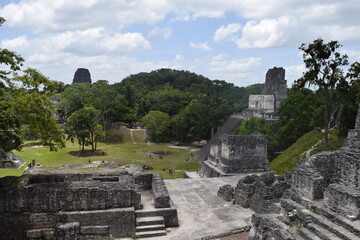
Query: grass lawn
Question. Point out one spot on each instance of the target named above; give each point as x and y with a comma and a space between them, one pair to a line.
121, 153
292, 156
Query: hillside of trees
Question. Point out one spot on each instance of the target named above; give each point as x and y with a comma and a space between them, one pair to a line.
173, 105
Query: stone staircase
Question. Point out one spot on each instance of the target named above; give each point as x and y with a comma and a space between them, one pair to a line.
315, 222
153, 226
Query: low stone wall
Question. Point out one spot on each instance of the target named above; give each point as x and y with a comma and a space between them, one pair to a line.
54, 197
143, 180
162, 197
118, 222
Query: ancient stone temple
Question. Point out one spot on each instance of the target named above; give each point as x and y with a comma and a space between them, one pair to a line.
82, 75
76, 204
324, 199
263, 105
236, 154
275, 85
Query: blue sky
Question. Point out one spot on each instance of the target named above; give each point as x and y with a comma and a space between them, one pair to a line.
236, 41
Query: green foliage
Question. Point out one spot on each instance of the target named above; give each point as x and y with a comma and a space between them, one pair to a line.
324, 70
121, 153
292, 156
83, 125
253, 125
299, 113
25, 105
158, 125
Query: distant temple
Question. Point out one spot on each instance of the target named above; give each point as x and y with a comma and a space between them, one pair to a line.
262, 105
82, 75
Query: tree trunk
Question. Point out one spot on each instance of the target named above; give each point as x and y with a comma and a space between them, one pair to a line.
326, 128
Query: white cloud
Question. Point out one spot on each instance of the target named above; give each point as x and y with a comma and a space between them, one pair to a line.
42, 16
241, 72
202, 46
20, 42
293, 73
267, 33
94, 41
223, 32
157, 32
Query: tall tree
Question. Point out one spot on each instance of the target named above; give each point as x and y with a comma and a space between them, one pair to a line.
324, 70
83, 124
157, 124
24, 101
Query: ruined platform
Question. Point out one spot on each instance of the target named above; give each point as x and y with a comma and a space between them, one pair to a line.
323, 201
76, 203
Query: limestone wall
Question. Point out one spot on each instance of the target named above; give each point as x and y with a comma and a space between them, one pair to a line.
275, 84
260, 192
264, 103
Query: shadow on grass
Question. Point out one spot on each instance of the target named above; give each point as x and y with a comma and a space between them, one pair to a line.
87, 153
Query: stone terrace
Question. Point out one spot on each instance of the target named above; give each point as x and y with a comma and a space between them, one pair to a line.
201, 212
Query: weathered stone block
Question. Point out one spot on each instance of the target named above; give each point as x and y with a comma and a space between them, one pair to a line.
226, 192
162, 198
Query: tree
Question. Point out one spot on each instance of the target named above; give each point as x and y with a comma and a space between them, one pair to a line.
252, 125
84, 125
354, 76
158, 125
24, 102
324, 70
298, 114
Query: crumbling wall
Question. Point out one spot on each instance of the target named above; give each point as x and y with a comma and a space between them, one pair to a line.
236, 154
260, 192
275, 84
68, 206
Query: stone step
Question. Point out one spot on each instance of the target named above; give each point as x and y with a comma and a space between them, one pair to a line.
146, 221
298, 237
307, 234
147, 228
322, 232
332, 227
339, 227
150, 234
351, 226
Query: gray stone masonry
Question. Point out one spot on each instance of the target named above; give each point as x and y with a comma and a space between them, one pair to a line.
82, 75
259, 192
265, 105
323, 201
162, 197
74, 204
275, 84
226, 192
236, 154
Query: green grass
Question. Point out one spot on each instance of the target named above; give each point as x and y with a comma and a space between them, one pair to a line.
291, 157
120, 153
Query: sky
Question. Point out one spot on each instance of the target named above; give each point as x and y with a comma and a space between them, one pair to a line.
232, 40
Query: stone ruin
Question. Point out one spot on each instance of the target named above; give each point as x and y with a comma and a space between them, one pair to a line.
75, 204
264, 105
10, 160
236, 154
82, 75
323, 201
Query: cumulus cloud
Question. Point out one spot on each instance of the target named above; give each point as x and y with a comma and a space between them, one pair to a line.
294, 72
267, 33
223, 32
94, 41
241, 71
157, 32
41, 16
202, 46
